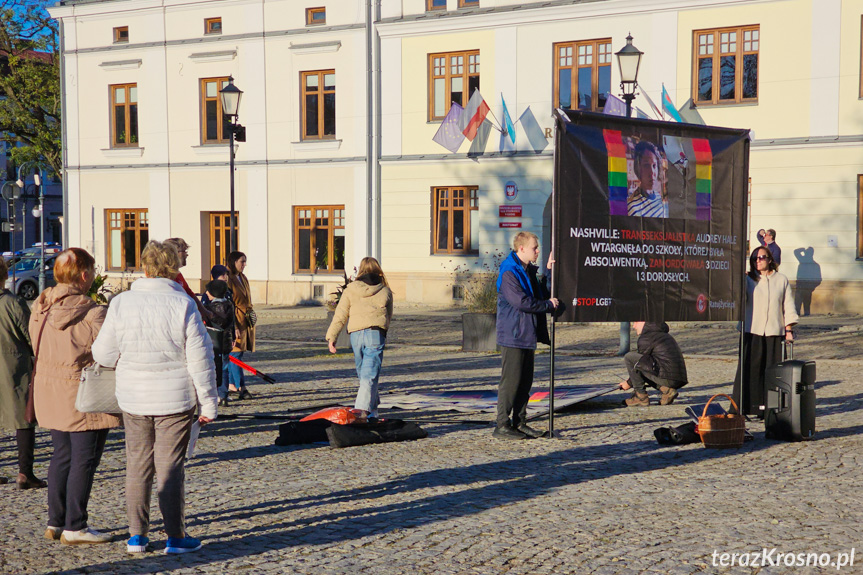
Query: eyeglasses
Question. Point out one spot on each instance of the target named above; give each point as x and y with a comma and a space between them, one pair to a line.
763, 257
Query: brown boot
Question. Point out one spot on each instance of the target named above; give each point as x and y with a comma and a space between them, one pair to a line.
669, 394
638, 399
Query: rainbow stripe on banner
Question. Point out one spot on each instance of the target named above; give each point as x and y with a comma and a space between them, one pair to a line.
703, 178
618, 182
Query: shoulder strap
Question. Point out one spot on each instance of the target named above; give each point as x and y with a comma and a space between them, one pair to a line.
39, 338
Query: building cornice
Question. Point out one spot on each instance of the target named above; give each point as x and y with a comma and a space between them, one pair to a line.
463, 20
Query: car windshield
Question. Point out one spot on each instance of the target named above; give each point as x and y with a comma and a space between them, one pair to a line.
27, 264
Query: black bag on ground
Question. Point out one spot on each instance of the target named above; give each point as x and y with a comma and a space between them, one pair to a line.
374, 432
789, 387
303, 432
680, 435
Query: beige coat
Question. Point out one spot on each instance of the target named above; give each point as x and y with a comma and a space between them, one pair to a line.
242, 303
769, 305
73, 321
362, 306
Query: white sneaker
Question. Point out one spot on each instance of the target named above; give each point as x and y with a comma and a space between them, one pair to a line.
53, 533
84, 537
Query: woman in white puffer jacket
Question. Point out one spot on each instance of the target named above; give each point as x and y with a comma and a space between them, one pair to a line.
154, 335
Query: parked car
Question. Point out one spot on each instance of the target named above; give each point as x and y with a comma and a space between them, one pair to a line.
26, 276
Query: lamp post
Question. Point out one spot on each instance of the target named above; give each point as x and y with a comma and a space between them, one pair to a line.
230, 97
628, 61
37, 212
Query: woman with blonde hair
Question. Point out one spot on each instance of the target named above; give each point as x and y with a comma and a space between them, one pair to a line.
153, 333
63, 327
366, 306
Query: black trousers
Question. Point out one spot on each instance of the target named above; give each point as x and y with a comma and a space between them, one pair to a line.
26, 439
70, 476
640, 377
516, 380
759, 353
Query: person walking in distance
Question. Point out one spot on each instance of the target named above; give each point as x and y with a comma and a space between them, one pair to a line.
767, 238
366, 306
522, 303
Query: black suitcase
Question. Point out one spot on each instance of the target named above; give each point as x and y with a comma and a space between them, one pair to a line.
789, 390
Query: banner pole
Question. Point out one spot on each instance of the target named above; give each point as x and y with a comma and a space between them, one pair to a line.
745, 227
554, 196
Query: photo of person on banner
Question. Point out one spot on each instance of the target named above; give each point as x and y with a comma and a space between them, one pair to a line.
648, 199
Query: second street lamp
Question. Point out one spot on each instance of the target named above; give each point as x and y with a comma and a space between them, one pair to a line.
230, 97
629, 60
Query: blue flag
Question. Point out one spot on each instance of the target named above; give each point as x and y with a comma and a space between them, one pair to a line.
507, 121
534, 133
449, 135
668, 106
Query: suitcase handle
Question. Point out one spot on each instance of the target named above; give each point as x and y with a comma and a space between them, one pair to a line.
787, 350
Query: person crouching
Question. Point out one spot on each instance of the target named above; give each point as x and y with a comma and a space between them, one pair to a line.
658, 363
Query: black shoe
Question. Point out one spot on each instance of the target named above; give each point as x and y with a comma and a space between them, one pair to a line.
244, 394
508, 432
529, 431
224, 402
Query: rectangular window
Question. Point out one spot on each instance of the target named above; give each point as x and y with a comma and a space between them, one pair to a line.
468, 3
124, 115
128, 233
456, 215
860, 217
319, 239
212, 26
214, 128
121, 35
318, 101
582, 74
453, 77
725, 65
316, 16
435, 5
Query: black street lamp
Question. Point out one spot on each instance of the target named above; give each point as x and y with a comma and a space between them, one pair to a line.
230, 97
629, 60
37, 181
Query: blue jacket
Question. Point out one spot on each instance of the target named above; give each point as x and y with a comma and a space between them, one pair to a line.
521, 306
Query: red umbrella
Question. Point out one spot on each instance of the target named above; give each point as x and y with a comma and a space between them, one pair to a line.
252, 370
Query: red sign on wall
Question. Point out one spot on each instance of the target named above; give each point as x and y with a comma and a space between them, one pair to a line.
509, 211
510, 224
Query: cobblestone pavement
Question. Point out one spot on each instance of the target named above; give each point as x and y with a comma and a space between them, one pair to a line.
603, 498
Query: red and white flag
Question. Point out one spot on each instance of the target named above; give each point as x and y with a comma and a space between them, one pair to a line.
474, 115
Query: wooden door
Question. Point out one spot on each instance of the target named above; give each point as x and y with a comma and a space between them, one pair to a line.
220, 226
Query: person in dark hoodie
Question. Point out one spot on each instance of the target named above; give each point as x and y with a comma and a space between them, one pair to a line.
366, 305
220, 328
521, 307
658, 363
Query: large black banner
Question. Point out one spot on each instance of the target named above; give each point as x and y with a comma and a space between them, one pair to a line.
649, 219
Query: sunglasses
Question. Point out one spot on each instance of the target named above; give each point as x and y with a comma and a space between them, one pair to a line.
763, 257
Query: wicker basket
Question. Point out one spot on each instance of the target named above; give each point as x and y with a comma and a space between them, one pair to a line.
721, 431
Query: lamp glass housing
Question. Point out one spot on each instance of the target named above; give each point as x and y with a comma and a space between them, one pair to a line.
230, 96
629, 60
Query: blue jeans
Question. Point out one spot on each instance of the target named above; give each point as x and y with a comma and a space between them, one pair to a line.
368, 347
233, 372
